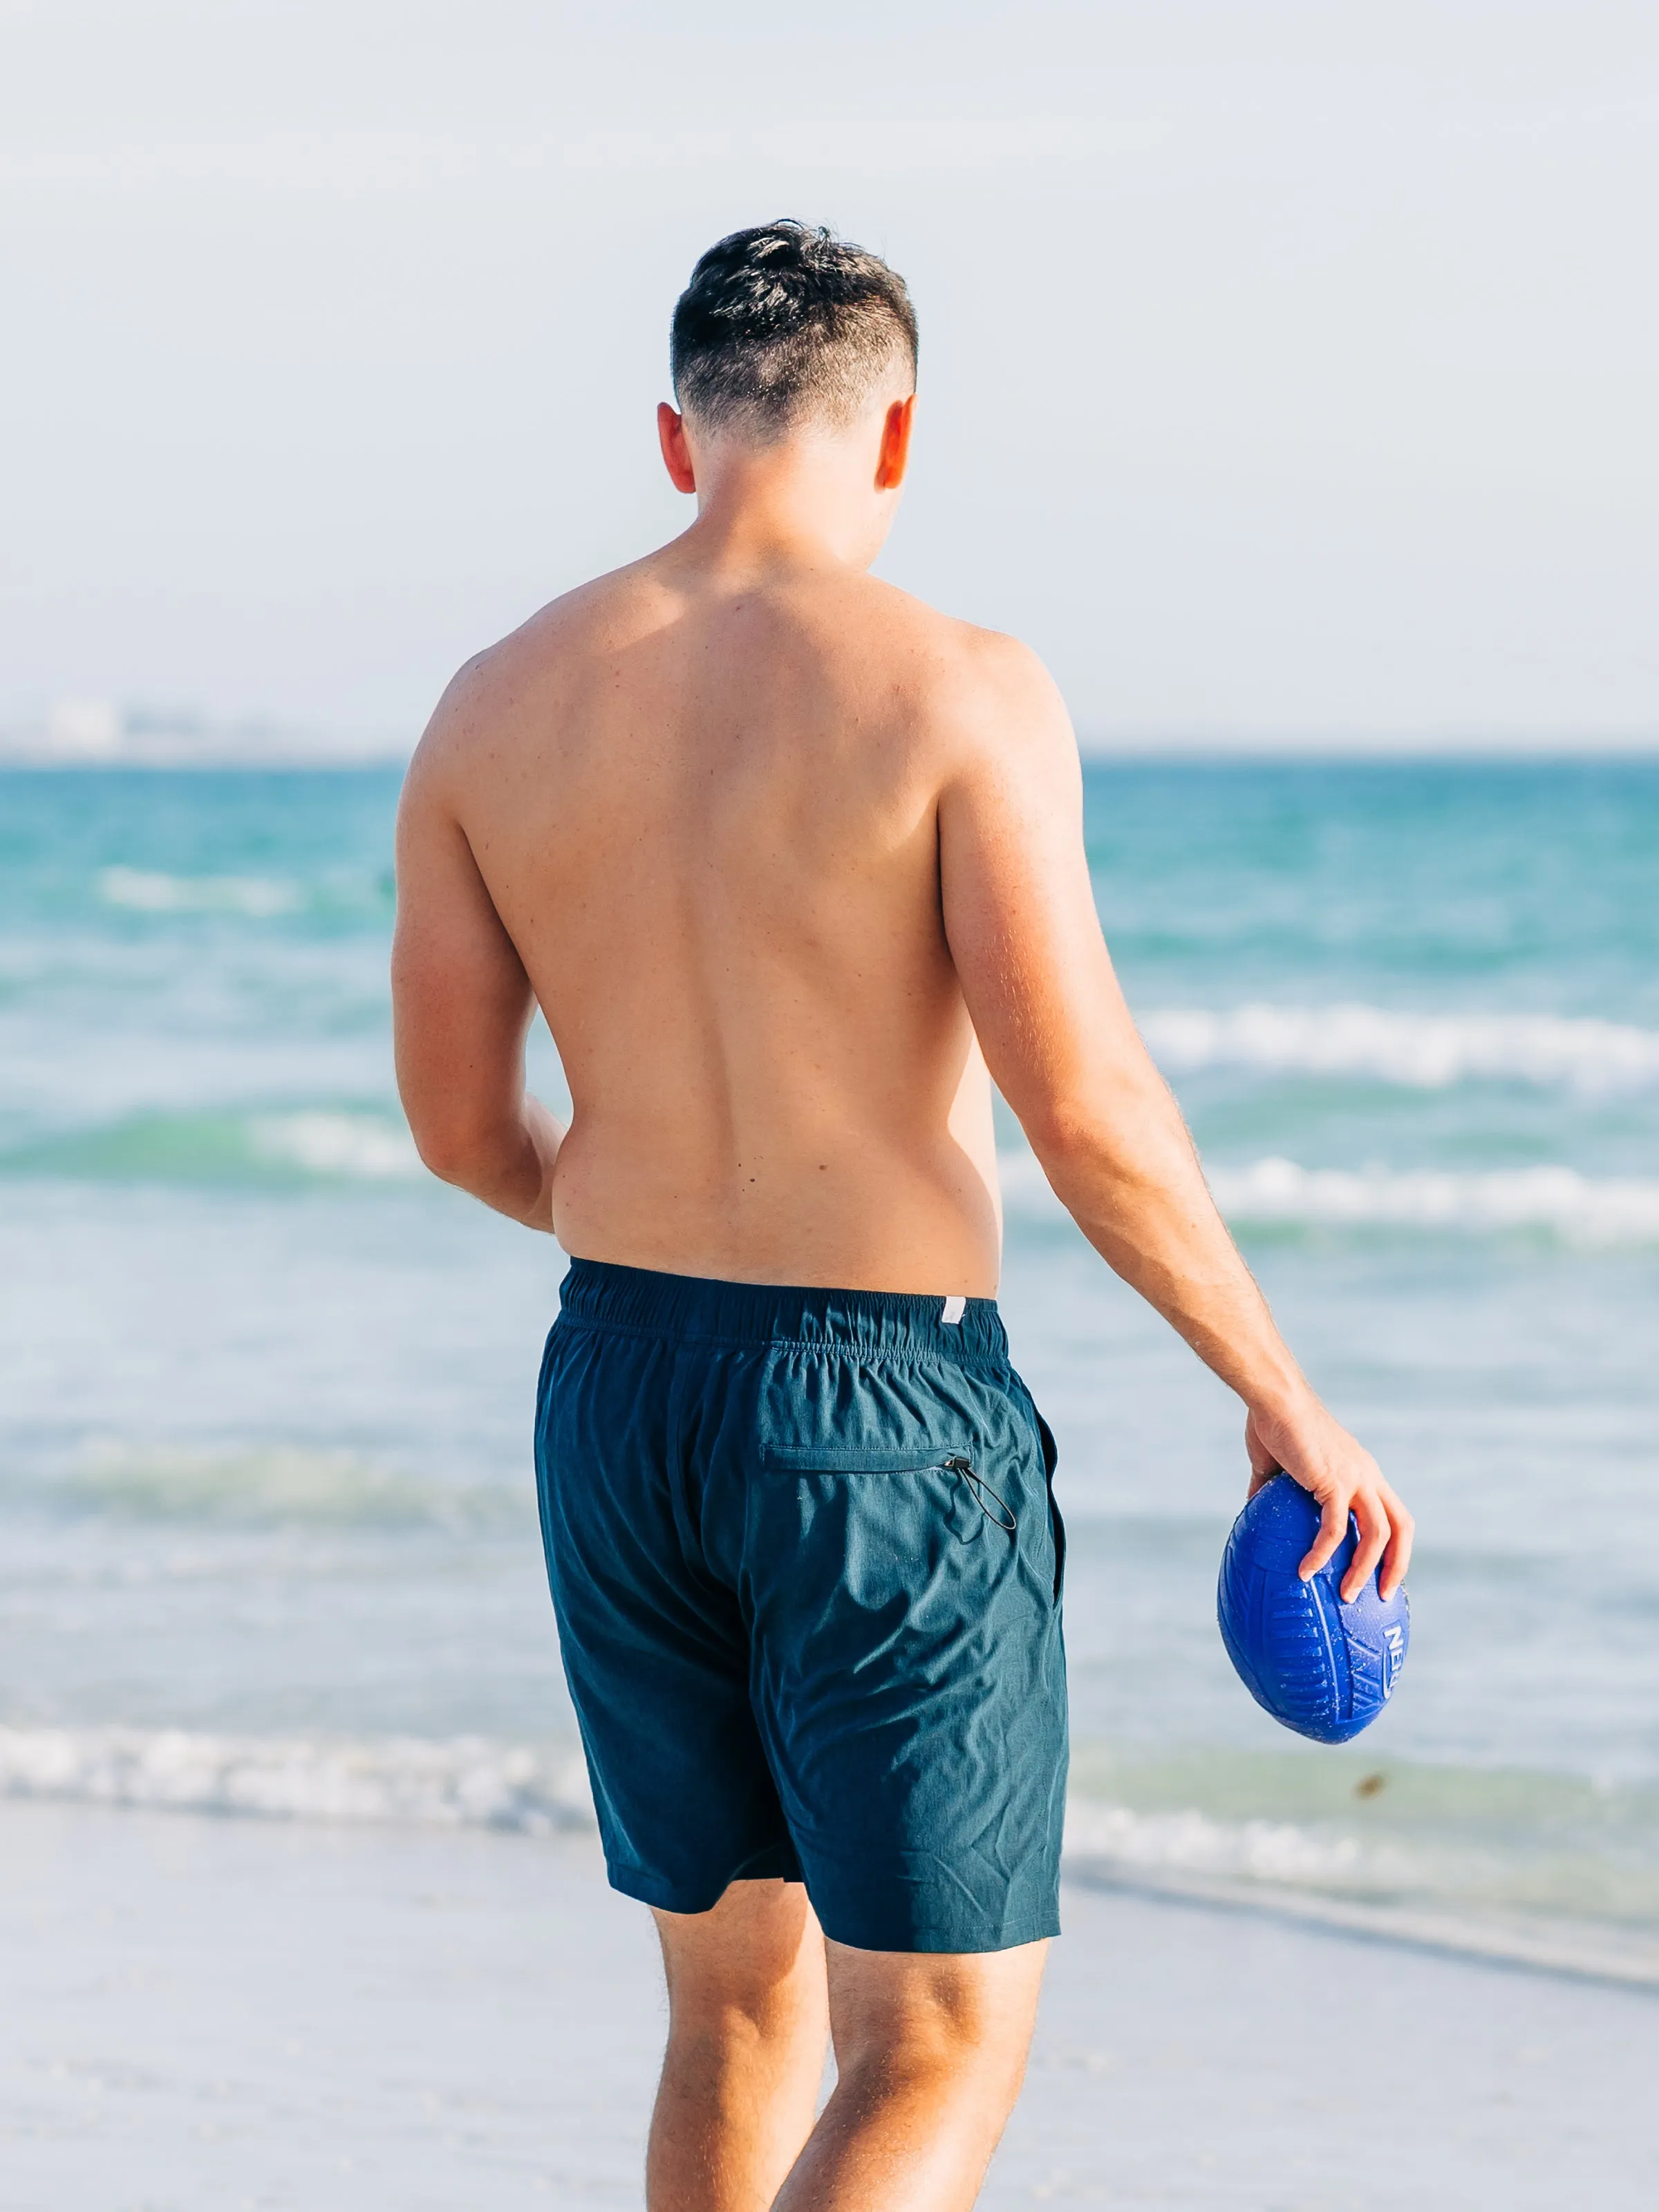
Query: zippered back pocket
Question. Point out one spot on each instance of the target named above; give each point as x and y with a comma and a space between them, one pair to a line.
828, 1459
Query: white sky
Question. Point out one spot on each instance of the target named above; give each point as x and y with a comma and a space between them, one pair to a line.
1288, 372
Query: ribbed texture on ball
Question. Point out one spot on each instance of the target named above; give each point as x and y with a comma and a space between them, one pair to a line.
1324, 1669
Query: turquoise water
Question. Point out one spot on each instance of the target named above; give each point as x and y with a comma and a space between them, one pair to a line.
267, 1537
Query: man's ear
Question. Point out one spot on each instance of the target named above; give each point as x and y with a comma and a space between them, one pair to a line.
676, 453
895, 444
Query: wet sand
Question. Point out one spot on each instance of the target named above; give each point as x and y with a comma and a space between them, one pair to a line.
227, 2013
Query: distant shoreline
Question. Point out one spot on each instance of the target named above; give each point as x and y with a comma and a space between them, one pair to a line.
1171, 756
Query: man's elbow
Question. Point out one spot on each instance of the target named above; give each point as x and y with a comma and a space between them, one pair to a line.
455, 1151
1061, 1127
1114, 1125
443, 1153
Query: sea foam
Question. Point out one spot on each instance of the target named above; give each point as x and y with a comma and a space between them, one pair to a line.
1555, 1202
1449, 1891
1419, 1050
347, 1145
147, 892
273, 1485
458, 1782
1334, 1882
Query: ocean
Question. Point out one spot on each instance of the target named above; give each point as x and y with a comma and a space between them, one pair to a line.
268, 1537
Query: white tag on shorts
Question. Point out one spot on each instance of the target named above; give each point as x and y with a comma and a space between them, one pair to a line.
954, 1309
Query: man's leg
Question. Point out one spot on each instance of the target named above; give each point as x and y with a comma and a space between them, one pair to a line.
748, 2028
931, 2052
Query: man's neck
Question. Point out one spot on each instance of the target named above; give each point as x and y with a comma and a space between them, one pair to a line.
804, 504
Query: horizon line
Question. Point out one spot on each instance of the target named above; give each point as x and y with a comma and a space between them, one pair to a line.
1194, 752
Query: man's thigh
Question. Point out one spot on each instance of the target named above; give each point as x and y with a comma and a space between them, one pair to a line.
762, 1937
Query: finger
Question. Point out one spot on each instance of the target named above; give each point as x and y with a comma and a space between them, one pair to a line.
1398, 1555
1333, 1527
1374, 1534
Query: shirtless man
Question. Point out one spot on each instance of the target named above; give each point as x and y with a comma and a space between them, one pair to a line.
793, 865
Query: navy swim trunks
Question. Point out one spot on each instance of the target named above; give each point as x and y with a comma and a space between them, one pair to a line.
806, 1564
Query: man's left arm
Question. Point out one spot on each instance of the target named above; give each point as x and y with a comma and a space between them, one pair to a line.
1062, 1048
461, 1006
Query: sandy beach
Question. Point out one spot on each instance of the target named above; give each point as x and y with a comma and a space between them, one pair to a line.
211, 2012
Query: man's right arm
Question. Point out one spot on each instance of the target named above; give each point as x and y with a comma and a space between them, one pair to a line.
1064, 1051
461, 1001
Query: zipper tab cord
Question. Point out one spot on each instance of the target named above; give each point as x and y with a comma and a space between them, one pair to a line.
1003, 1518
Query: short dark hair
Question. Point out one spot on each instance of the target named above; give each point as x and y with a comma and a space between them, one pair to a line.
783, 322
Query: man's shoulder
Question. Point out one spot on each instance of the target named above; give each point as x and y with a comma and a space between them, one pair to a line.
967, 687
580, 625
511, 682
946, 667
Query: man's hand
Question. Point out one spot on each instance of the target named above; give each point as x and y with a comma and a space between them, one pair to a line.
1340, 1474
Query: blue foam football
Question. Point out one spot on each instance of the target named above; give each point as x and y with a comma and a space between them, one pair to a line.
1325, 1669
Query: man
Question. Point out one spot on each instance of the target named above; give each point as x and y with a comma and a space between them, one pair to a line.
794, 867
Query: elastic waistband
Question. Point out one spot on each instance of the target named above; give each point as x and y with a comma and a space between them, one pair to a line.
597, 1295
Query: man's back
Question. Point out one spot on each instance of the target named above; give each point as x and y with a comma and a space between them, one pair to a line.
705, 804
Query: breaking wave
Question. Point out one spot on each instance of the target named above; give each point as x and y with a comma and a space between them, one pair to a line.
281, 1487
352, 1145
348, 1145
456, 1782
311, 1145
1421, 1051
1333, 1882
1545, 1870
1558, 1202
147, 891
1450, 1881
1554, 1202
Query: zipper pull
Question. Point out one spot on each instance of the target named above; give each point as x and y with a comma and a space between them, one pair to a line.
964, 1470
